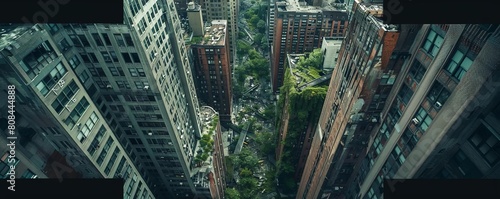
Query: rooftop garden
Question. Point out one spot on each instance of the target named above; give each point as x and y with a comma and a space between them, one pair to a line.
207, 142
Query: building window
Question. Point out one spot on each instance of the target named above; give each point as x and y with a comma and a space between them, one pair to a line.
87, 127
106, 39
417, 71
135, 57
438, 95
65, 96
97, 140
97, 39
423, 119
128, 192
119, 39
432, 43
487, 144
84, 76
74, 62
37, 59
133, 72
119, 168
77, 112
105, 150
405, 94
128, 40
459, 65
126, 58
49, 81
84, 40
112, 161
106, 56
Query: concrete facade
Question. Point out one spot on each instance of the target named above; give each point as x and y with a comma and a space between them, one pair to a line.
330, 49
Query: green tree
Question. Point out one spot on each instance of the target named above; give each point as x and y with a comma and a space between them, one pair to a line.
261, 25
265, 140
245, 173
232, 193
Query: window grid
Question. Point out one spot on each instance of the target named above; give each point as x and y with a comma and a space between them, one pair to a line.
87, 127
459, 65
76, 113
65, 96
97, 140
105, 150
433, 43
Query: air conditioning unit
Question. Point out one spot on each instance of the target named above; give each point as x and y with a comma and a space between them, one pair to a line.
438, 104
73, 100
415, 121
130, 126
150, 133
146, 87
108, 86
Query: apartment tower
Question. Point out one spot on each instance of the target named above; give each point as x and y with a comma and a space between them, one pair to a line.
441, 117
139, 77
212, 69
360, 83
300, 28
60, 131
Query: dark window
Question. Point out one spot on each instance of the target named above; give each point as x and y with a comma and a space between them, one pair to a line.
112, 161
84, 40
126, 57
119, 39
53, 28
135, 57
438, 95
106, 39
105, 150
106, 56
487, 144
97, 140
97, 39
417, 71
128, 40
405, 94
74, 62
93, 58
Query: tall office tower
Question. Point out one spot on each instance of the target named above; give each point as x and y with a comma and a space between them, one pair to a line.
441, 118
59, 131
138, 74
300, 28
211, 144
330, 49
224, 10
213, 72
300, 100
360, 83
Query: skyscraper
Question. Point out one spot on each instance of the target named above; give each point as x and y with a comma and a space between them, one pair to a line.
137, 80
300, 28
440, 118
360, 83
212, 69
59, 132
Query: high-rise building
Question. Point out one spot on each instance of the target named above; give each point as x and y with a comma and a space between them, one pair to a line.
359, 86
223, 10
212, 69
440, 119
58, 130
300, 28
300, 103
270, 22
136, 78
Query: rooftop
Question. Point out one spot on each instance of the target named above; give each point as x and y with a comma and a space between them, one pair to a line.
302, 74
210, 120
193, 7
215, 34
301, 6
375, 11
333, 41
